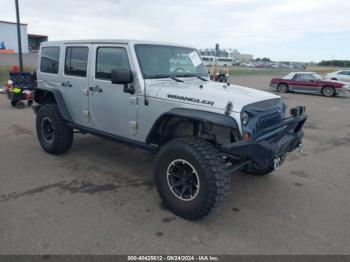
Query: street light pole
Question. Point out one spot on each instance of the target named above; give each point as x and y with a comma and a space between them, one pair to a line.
19, 38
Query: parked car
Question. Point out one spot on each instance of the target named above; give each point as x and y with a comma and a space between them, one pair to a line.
309, 82
342, 75
135, 92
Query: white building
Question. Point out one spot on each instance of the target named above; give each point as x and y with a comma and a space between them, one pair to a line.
224, 56
237, 56
220, 61
8, 36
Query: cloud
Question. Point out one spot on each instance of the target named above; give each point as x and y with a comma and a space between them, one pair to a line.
232, 23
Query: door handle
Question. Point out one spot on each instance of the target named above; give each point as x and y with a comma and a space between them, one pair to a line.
95, 89
66, 84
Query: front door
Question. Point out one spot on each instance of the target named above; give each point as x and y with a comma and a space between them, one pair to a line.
305, 83
111, 109
75, 81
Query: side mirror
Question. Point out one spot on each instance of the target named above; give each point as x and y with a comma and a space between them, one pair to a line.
121, 76
124, 77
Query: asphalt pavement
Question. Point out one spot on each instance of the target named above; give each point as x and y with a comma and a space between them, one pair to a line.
99, 198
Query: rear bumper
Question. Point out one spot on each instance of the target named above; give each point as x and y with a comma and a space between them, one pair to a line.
270, 147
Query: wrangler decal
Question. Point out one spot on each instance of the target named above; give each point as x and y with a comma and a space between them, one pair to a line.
191, 99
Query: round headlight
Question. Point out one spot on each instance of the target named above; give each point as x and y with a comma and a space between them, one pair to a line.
245, 118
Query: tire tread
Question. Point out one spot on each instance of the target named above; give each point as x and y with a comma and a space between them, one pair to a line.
63, 132
208, 157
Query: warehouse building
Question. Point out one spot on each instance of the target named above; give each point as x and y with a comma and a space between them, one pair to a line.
9, 41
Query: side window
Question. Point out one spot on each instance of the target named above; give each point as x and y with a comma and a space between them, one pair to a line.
109, 58
307, 77
76, 61
296, 77
49, 59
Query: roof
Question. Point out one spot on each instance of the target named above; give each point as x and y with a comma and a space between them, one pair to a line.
37, 36
13, 23
113, 41
291, 74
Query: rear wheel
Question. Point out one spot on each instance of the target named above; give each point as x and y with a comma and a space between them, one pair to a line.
283, 88
190, 177
20, 105
328, 91
54, 135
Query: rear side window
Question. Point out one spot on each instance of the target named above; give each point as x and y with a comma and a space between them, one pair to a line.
108, 59
76, 61
49, 59
306, 77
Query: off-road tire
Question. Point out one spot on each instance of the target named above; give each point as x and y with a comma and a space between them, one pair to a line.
209, 165
328, 91
283, 88
62, 133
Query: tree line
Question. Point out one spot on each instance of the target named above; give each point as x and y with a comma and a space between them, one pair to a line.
340, 63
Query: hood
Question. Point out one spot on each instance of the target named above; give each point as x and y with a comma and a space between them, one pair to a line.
209, 94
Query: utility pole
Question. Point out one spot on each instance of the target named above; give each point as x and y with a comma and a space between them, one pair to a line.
19, 38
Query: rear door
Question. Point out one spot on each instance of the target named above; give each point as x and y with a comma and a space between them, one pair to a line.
75, 81
111, 109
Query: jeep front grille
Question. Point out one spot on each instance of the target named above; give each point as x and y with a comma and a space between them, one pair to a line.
267, 120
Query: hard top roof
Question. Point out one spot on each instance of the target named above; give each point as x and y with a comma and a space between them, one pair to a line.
112, 41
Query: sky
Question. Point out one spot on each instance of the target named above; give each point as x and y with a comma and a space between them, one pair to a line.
293, 30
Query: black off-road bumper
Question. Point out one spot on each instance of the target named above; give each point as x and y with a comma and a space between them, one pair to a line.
269, 148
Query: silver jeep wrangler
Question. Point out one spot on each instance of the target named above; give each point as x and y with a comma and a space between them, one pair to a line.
159, 97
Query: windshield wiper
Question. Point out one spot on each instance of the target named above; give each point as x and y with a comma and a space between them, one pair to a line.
165, 76
192, 75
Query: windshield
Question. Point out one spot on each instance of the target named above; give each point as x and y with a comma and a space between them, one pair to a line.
317, 76
157, 61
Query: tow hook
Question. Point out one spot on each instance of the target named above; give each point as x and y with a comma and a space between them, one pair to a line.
276, 163
301, 147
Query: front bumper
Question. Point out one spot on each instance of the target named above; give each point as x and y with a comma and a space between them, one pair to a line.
342, 91
272, 145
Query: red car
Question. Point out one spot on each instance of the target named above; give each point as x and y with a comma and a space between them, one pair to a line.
309, 82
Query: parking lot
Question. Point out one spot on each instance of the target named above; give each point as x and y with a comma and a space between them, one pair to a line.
99, 198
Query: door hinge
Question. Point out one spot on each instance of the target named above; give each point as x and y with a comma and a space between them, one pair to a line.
86, 92
86, 114
133, 100
133, 128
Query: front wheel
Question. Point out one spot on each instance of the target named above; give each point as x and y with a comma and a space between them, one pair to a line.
190, 176
53, 133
